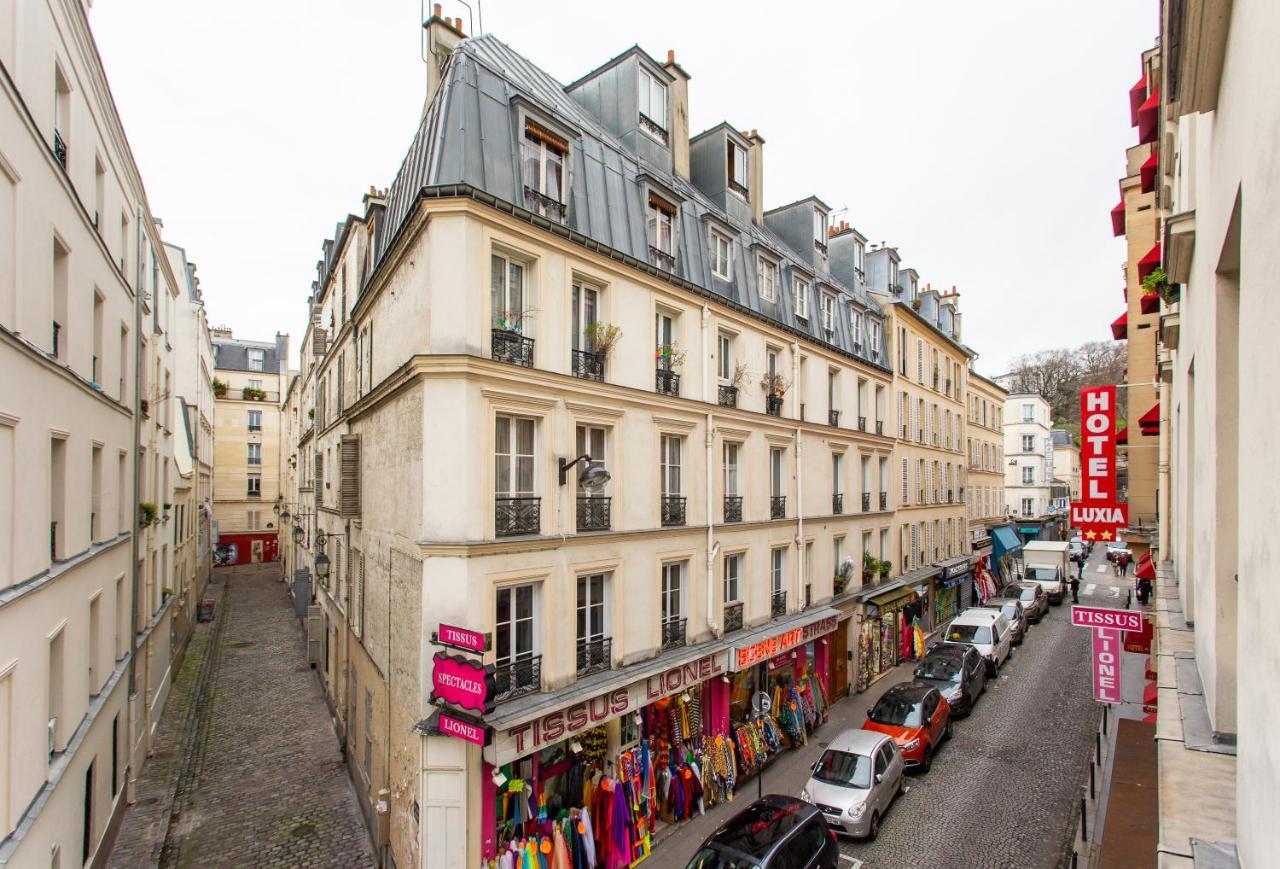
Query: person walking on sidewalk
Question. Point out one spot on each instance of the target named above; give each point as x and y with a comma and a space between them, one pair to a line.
1123, 558
1075, 589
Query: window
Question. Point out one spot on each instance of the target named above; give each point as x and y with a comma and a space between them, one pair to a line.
837, 472
542, 153
724, 358
730, 469
662, 218
855, 324
255, 384
653, 104
919, 360
737, 164
732, 578
368, 732
721, 263
1028, 412
837, 552
591, 608
590, 441
833, 391
256, 359
255, 420
1028, 476
776, 482
586, 311
672, 591
777, 558
1026, 507
906, 484
820, 228
801, 290
767, 279
253, 486
669, 464
514, 622
1028, 443
506, 294
664, 328
828, 312
252, 519
95, 367
513, 456
255, 454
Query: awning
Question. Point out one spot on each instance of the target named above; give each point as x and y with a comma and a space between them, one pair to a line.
1148, 117
1117, 219
1150, 262
1030, 530
1137, 94
1150, 303
1004, 536
1120, 327
1122, 437
1146, 570
1150, 420
1147, 172
888, 599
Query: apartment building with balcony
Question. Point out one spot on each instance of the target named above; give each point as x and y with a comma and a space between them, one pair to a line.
248, 379
569, 372
984, 439
1066, 469
1028, 455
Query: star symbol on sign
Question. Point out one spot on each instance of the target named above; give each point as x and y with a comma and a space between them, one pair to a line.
1106, 535
1092, 535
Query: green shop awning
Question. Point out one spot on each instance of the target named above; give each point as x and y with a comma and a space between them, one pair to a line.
1029, 530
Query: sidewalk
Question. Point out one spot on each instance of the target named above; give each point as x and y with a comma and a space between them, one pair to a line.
675, 844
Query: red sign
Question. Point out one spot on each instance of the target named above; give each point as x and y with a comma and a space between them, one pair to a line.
1139, 641
463, 638
745, 656
450, 726
1098, 617
462, 682
1106, 665
1098, 514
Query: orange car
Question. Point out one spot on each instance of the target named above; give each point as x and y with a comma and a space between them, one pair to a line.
917, 717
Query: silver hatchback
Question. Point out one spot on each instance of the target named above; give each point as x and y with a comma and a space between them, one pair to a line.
855, 781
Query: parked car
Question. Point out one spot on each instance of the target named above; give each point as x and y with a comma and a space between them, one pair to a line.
855, 781
957, 671
1034, 603
1012, 609
1079, 550
918, 718
1115, 547
774, 831
987, 631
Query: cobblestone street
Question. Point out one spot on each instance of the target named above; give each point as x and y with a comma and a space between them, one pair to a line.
246, 770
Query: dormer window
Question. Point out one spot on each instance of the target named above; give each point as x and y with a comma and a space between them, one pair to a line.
653, 106
858, 261
767, 279
543, 153
800, 287
855, 325
828, 313
820, 230
737, 164
662, 221
721, 248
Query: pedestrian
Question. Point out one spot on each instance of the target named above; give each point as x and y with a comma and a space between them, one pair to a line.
1124, 564
1080, 568
1075, 589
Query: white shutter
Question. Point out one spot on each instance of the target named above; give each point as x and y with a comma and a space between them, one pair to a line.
349, 452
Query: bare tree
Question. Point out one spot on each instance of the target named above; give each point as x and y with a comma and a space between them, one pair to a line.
1058, 375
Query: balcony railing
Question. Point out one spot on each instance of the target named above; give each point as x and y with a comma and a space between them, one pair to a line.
837, 503
862, 423
673, 509
879, 426
833, 417
517, 514
59, 149
884, 500
662, 259
866, 502
728, 396
57, 333
778, 605
540, 203
508, 346
773, 405
594, 512
53, 541
778, 507
595, 655
733, 508
673, 633
653, 127
732, 617
588, 365
667, 382
518, 677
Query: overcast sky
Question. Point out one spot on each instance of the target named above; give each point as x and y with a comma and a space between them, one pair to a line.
983, 139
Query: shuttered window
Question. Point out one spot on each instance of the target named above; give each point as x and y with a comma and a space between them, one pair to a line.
319, 474
349, 451
356, 607
906, 485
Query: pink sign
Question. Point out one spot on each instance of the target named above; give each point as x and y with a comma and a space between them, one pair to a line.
451, 726
463, 638
1098, 617
1106, 665
462, 682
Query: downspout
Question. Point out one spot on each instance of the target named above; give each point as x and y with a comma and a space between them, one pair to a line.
1162, 477
795, 381
137, 500
709, 446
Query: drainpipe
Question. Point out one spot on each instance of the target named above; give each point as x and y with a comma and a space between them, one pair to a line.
709, 447
1162, 478
795, 382
137, 500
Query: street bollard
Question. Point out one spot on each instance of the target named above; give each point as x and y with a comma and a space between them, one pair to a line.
1092, 784
1084, 825
1097, 747
1104, 719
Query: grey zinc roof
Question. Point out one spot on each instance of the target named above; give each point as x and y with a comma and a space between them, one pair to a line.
1061, 437
469, 137
234, 355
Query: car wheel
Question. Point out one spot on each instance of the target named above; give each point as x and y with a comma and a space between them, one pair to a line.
926, 762
874, 829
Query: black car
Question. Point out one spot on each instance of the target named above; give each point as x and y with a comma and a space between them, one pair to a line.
958, 672
774, 831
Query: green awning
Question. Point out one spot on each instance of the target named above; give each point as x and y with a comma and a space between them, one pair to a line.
1029, 530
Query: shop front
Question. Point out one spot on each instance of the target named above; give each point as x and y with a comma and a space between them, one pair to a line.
886, 636
1006, 549
953, 590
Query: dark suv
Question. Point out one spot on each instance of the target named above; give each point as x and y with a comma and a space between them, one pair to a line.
775, 832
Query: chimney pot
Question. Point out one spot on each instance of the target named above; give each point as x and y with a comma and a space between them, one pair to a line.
435, 10
671, 55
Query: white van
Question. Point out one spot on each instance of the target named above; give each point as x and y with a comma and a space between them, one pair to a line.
1048, 562
987, 630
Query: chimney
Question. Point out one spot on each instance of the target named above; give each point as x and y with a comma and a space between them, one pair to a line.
222, 333
443, 36
679, 131
282, 352
755, 165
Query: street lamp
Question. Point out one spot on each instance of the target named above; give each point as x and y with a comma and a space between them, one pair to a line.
299, 535
594, 476
322, 567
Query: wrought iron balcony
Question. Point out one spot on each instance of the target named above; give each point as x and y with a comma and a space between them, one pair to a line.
517, 515
733, 508
728, 396
884, 500
833, 417
732, 617
518, 677
662, 259
59, 149
837, 503
862, 423
540, 203
778, 507
673, 509
779, 604
652, 126
508, 346
57, 333
594, 512
773, 405
588, 365
595, 655
673, 633
866, 502
667, 382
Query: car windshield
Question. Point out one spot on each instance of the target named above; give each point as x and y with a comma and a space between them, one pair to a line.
1042, 573
1010, 611
940, 668
844, 769
710, 858
980, 634
897, 710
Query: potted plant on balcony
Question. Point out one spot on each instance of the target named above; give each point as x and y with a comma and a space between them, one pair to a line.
774, 385
603, 337
870, 567
219, 388
670, 357
1157, 283
148, 511
512, 320
250, 393
311, 413
739, 375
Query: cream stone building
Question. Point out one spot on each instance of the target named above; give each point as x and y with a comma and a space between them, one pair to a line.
985, 496
248, 377
92, 553
1066, 468
1028, 450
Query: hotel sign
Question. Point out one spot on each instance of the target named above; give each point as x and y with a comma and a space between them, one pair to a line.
1098, 514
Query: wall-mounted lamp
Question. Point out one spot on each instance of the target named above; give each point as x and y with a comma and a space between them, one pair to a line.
593, 478
322, 567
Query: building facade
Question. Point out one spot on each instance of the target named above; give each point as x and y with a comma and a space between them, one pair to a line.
1028, 450
248, 378
1066, 469
985, 497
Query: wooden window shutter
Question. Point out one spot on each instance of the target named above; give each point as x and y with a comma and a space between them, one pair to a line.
319, 473
349, 450
539, 133
319, 341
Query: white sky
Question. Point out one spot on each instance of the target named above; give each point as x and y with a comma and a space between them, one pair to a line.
983, 139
